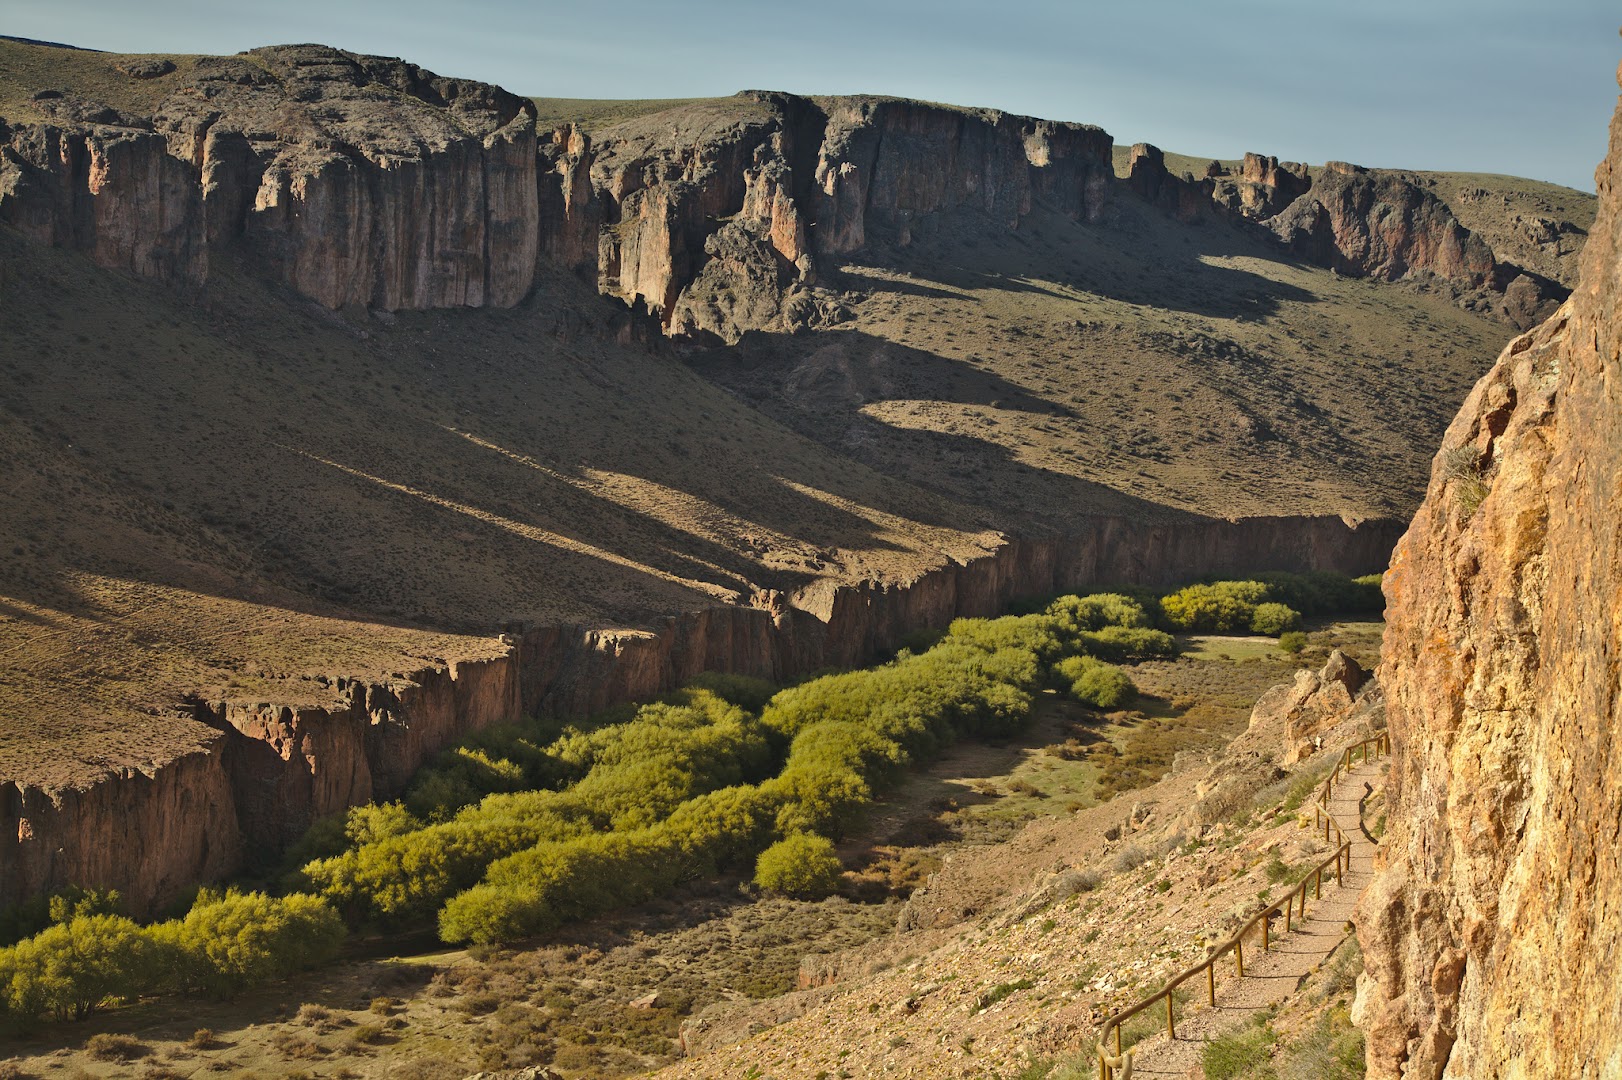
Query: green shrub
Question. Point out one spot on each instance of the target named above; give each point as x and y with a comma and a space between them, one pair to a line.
1095, 612
1119, 644
631, 775
33, 915
744, 691
1321, 593
801, 865
1273, 619
232, 940
1218, 607
1292, 641
68, 969
1095, 683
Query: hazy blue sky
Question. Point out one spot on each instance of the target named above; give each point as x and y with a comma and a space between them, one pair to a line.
1515, 86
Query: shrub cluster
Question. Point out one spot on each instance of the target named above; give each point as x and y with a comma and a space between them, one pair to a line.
1270, 603
522, 828
842, 738
225, 943
626, 777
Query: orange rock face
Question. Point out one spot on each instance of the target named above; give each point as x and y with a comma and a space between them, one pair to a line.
1493, 934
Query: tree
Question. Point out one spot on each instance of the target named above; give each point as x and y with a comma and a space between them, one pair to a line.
1274, 619
69, 969
232, 940
801, 864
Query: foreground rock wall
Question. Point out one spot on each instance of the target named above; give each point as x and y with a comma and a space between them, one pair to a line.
1493, 933
274, 769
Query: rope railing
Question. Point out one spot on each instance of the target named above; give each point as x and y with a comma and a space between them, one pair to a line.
1118, 1065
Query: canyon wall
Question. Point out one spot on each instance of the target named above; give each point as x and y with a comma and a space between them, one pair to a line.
358, 180
274, 769
367, 181
1492, 934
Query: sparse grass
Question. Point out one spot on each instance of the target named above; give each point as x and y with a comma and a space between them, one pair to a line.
107, 1046
594, 114
1244, 1053
1461, 466
997, 993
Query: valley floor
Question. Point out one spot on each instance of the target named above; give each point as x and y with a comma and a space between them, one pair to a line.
997, 907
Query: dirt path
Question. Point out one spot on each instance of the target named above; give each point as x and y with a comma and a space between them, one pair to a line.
1271, 976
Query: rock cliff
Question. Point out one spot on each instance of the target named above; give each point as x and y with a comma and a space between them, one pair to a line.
1379, 225
358, 180
1492, 934
368, 181
274, 769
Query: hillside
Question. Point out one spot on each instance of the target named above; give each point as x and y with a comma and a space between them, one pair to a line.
348, 408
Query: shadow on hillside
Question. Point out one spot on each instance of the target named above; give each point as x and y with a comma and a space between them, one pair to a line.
454, 471
823, 390
1138, 255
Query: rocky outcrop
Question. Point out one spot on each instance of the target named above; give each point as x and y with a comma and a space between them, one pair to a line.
885, 163
716, 227
1265, 185
1491, 934
1380, 225
274, 769
365, 180
1299, 714
358, 180
571, 215
111, 191
1181, 196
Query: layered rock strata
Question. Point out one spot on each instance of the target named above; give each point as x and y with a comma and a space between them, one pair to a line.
1493, 933
363, 180
274, 769
358, 180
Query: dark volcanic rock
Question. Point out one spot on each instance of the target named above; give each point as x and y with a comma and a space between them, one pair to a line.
1379, 225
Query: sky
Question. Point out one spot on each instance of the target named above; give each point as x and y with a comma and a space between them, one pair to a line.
1525, 87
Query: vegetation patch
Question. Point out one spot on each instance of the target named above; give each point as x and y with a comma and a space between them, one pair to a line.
519, 830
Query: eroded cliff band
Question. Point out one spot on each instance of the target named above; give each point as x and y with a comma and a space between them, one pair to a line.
273, 769
368, 181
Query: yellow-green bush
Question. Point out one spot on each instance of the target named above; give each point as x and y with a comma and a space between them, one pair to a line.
68, 969
1274, 619
231, 940
1093, 682
801, 864
1217, 607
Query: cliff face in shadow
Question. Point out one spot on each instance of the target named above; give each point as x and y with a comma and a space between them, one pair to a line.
274, 769
1492, 935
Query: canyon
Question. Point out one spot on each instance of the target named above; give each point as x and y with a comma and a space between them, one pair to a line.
263, 773
368, 181
350, 409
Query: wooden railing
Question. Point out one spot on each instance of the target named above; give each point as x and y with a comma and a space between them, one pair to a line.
1292, 907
